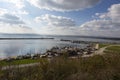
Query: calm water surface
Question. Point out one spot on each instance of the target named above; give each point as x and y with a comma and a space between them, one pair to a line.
21, 47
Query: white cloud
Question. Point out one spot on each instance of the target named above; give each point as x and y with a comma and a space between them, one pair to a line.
18, 3
11, 23
101, 25
108, 23
5, 28
52, 24
57, 21
2, 11
63, 5
113, 13
15, 6
10, 19
19, 12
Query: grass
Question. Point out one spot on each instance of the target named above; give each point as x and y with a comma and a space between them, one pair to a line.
113, 49
18, 62
99, 67
103, 45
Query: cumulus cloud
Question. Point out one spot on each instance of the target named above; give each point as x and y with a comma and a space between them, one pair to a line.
2, 11
57, 21
18, 3
19, 12
10, 19
107, 24
15, 6
11, 23
114, 12
101, 25
5, 28
63, 5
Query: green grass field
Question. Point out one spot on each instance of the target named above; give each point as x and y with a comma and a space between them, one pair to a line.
113, 49
98, 67
103, 45
18, 62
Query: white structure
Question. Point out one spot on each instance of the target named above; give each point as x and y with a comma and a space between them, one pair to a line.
97, 46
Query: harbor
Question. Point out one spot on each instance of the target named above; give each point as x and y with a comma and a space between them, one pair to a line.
67, 51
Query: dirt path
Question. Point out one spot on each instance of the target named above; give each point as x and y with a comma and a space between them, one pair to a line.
99, 52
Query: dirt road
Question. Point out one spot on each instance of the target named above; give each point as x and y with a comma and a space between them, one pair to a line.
99, 51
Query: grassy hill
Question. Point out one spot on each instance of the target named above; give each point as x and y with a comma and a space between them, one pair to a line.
99, 67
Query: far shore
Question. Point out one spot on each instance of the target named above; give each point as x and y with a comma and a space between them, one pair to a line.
22, 38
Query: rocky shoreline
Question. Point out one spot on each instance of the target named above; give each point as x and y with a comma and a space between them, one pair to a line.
68, 51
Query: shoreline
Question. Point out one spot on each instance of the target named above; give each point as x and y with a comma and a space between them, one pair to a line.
23, 38
64, 40
89, 42
56, 51
51, 54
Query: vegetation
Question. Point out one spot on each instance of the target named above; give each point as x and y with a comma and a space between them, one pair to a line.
18, 62
113, 49
99, 67
103, 45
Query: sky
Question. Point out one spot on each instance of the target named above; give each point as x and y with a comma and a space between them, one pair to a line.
61, 17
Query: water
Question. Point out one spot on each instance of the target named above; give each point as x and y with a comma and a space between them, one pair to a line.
22, 47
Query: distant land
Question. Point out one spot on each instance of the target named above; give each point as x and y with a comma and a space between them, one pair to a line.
52, 36
22, 38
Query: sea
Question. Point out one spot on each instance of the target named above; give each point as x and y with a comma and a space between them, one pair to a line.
15, 47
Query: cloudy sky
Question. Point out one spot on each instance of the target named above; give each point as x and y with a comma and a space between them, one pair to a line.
61, 17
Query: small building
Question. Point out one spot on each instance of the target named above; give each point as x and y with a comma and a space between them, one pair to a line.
97, 46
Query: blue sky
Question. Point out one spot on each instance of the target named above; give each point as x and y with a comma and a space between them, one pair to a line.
80, 16
63, 17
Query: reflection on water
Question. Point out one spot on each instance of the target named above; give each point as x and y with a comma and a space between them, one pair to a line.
20, 47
